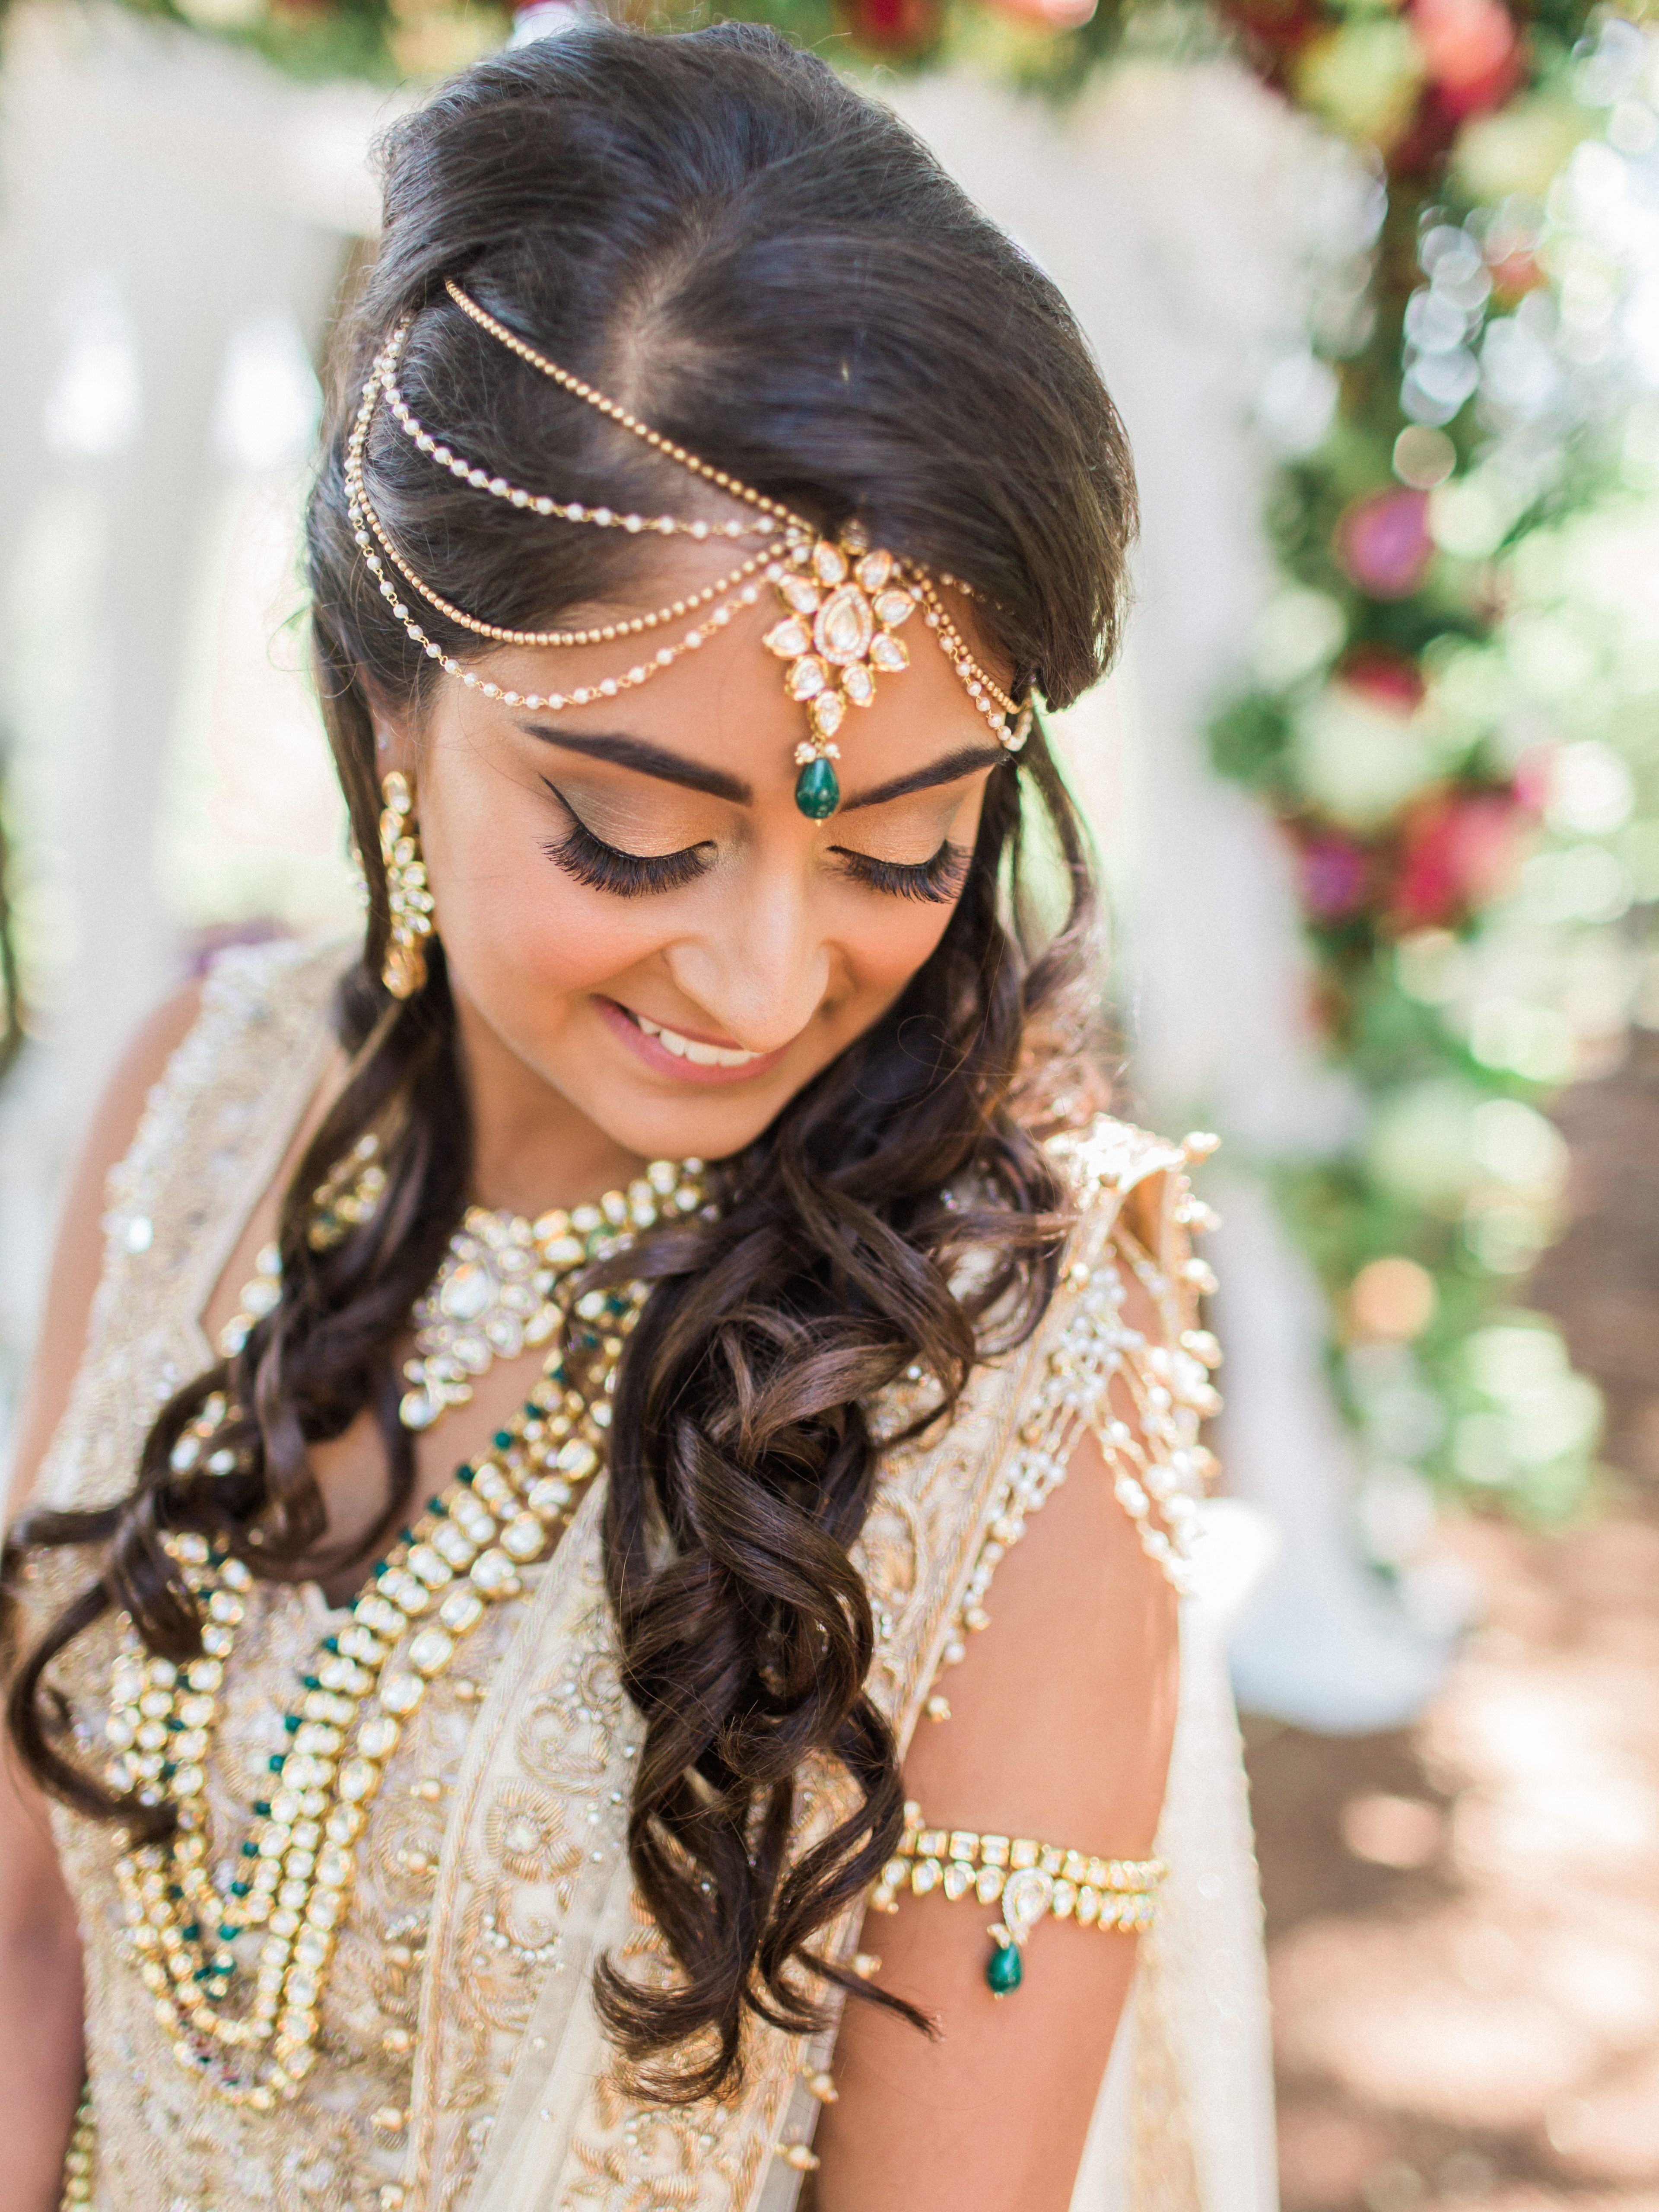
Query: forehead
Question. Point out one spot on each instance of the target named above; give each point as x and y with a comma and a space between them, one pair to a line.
734, 699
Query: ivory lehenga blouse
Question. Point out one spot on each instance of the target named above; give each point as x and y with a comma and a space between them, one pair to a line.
460, 2065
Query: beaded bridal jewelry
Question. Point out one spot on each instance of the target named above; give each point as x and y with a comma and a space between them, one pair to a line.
843, 602
246, 2027
1028, 1879
404, 972
497, 1290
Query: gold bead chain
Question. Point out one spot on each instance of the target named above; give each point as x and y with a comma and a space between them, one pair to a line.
368, 531
1011, 720
498, 487
733, 486
603, 634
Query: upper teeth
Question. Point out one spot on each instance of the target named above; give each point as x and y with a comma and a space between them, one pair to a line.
701, 1055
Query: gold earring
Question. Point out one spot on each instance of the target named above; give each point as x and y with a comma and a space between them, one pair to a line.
404, 972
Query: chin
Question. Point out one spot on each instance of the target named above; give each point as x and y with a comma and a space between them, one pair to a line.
695, 1128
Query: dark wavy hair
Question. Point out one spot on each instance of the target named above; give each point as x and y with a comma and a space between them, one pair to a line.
770, 267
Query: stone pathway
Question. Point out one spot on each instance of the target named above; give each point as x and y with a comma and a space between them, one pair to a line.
1464, 1920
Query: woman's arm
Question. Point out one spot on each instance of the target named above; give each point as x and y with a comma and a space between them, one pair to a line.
1061, 1719
40, 2054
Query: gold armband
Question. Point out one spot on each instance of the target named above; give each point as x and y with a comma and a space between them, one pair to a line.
1028, 1879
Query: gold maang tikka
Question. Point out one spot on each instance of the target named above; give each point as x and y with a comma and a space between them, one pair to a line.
844, 601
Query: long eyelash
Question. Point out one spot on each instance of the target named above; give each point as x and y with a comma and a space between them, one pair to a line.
629, 875
936, 881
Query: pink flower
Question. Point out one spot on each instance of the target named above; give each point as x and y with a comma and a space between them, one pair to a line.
1533, 773
1458, 851
1470, 51
1383, 542
1335, 872
1384, 677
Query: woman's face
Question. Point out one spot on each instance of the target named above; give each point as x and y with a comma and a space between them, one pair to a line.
635, 914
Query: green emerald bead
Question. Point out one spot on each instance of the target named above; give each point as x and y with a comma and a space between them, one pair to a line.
277, 1761
436, 1505
817, 792
241, 1889
504, 1440
466, 1473
250, 1851
262, 1807
226, 1933
291, 1722
1004, 1970
191, 1930
311, 1682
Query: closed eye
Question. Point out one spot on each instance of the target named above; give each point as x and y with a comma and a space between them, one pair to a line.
936, 881
602, 867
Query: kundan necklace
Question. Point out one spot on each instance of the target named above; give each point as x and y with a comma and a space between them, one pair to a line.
496, 1290
245, 2023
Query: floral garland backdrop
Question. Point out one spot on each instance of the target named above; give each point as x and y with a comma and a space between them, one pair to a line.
1452, 714
1450, 708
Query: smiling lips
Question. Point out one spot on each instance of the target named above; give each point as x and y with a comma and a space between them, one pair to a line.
691, 1058
692, 1049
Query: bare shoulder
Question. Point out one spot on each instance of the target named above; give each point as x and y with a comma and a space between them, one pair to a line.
1055, 1724
78, 1259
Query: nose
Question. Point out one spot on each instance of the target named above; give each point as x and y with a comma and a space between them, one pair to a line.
761, 971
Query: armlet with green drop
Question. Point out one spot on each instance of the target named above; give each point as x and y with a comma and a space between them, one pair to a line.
1028, 1879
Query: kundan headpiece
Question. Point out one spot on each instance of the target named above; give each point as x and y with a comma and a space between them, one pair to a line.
844, 601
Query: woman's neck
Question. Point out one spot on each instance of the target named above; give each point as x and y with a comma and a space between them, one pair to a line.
532, 1148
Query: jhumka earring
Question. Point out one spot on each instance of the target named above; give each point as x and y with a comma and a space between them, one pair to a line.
843, 601
403, 970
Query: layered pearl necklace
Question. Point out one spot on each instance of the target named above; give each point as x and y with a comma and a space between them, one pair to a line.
499, 1513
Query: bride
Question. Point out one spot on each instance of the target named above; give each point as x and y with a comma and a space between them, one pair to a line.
533, 1557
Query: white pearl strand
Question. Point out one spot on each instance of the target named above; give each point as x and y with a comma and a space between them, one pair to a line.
368, 531
601, 518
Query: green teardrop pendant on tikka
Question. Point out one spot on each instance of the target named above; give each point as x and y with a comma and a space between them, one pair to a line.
1005, 1969
817, 793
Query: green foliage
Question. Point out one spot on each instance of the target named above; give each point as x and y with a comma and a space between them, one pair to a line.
1420, 751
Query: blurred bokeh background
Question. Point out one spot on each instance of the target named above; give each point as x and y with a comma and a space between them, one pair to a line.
1377, 789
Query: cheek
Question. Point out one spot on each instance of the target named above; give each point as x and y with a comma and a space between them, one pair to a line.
885, 940
505, 910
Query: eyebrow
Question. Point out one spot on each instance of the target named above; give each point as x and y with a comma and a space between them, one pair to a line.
963, 761
647, 759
